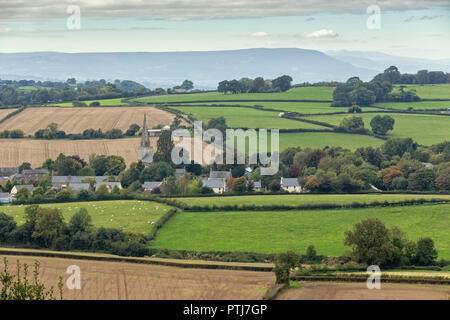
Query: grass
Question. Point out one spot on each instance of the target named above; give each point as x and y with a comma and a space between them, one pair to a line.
431, 91
419, 105
301, 107
425, 129
127, 215
299, 199
103, 102
246, 117
305, 93
323, 139
272, 231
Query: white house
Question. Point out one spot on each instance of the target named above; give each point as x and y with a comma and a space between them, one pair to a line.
290, 185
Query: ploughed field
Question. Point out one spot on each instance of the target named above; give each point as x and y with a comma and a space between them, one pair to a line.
279, 231
102, 280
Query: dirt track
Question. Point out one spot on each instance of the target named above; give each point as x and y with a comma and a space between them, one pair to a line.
118, 280
359, 291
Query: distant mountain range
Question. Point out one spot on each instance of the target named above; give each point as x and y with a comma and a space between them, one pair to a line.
206, 68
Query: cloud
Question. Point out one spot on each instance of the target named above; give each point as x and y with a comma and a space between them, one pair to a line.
259, 34
323, 33
309, 19
409, 19
176, 10
429, 17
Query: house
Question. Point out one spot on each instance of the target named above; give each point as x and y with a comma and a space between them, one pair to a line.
7, 172
77, 187
17, 188
257, 186
179, 173
3, 181
34, 175
63, 181
220, 175
5, 197
290, 185
149, 186
109, 185
217, 185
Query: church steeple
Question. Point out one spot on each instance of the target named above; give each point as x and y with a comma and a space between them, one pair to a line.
145, 140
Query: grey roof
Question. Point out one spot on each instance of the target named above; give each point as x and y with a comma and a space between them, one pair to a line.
28, 186
4, 195
111, 185
8, 171
214, 183
181, 171
60, 179
289, 182
79, 186
151, 184
35, 171
220, 174
77, 179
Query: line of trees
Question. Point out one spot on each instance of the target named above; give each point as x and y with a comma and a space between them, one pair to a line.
257, 85
421, 77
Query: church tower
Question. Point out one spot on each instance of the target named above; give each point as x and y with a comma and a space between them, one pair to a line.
145, 153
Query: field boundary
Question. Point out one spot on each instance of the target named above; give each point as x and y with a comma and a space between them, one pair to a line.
146, 260
384, 278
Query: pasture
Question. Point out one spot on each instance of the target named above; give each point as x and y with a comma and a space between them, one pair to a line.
103, 102
418, 105
304, 93
246, 117
278, 231
430, 91
303, 199
127, 215
102, 280
424, 129
76, 120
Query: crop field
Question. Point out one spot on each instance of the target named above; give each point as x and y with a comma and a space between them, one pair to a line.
431, 91
278, 231
419, 105
103, 102
76, 120
304, 93
358, 291
5, 112
425, 129
300, 199
127, 215
16, 151
103, 280
246, 117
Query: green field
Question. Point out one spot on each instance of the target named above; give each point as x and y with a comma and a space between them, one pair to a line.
103, 102
305, 93
128, 215
425, 129
299, 199
431, 91
418, 105
300, 107
246, 117
277, 231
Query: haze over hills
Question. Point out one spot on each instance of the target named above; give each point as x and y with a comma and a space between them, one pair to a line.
205, 68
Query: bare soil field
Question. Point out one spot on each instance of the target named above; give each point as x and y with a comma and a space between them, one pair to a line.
128, 281
13, 152
76, 120
359, 291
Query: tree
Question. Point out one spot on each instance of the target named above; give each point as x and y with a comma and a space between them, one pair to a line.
391, 74
49, 226
422, 77
371, 242
114, 165
102, 191
382, 124
275, 185
169, 186
352, 123
258, 85
24, 166
164, 147
156, 172
187, 85
284, 263
223, 86
443, 180
354, 109
282, 83
240, 185
80, 221
422, 180
7, 225
23, 194
426, 254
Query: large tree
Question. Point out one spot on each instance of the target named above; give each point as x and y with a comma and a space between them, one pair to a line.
382, 124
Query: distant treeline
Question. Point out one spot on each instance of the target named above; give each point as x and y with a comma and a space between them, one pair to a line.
421, 77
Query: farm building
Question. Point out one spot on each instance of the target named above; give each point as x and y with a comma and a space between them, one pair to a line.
149, 186
34, 175
220, 175
290, 185
79, 186
217, 185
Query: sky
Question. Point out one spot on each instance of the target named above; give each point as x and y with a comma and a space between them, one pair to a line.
419, 28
